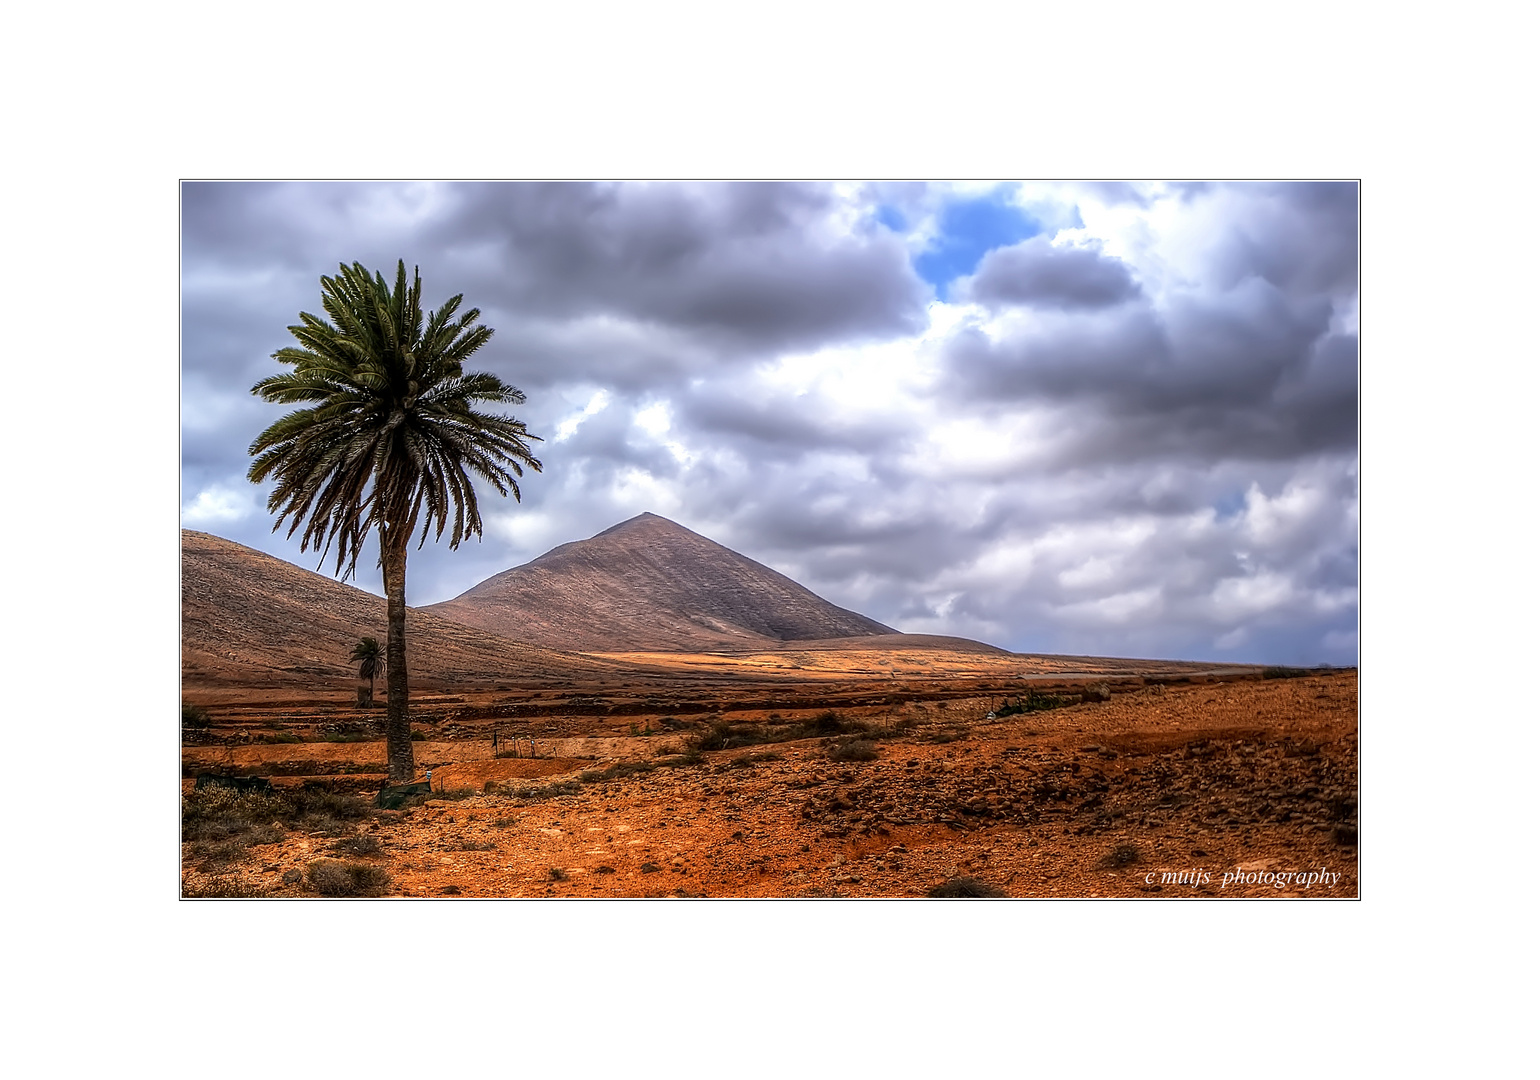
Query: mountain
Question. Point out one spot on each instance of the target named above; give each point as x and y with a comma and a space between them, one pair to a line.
647, 585
251, 619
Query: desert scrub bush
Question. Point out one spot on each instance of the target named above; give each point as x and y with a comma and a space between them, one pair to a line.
853, 750
218, 813
965, 888
548, 791
724, 736
556, 873
196, 717
1287, 672
209, 854
333, 877
758, 757
721, 736
359, 846
619, 770
318, 808
223, 887
1119, 857
448, 794
1032, 702
828, 722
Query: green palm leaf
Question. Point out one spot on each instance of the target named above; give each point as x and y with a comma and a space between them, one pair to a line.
387, 442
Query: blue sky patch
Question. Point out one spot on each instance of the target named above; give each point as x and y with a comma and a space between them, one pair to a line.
1230, 505
969, 230
890, 217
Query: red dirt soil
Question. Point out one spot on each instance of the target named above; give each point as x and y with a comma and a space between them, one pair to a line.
1210, 788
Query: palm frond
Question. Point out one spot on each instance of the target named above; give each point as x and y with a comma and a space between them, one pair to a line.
389, 437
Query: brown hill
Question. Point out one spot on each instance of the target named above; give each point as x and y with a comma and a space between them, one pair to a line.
649, 584
253, 620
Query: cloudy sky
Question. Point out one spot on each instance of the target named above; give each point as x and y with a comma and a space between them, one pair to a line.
1109, 419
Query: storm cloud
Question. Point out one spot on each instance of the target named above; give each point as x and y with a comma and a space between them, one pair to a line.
1038, 274
1081, 418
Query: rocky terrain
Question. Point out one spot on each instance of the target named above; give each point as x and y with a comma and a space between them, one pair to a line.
253, 622
1189, 786
728, 733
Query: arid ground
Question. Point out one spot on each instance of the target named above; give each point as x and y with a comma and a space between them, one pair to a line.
817, 772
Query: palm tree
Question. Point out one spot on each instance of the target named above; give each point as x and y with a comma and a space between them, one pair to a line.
387, 442
367, 653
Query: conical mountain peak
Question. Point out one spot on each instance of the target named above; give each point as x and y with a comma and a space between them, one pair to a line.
650, 584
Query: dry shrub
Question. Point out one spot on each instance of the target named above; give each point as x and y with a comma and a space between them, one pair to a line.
965, 888
757, 757
219, 823
853, 750
357, 845
196, 717
333, 877
223, 888
1119, 857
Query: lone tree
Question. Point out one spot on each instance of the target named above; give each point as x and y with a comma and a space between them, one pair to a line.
369, 656
388, 441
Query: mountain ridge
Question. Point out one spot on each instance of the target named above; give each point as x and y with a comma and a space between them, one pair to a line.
650, 584
251, 618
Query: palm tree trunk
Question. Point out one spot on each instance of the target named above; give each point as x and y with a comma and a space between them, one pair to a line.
398, 726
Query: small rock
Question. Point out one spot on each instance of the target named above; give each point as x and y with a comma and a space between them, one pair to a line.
292, 877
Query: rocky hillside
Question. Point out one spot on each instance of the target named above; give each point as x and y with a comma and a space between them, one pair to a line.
650, 584
251, 619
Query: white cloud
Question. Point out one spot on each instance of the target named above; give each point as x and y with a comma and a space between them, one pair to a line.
1238, 598
1102, 505
1116, 610
597, 403
1232, 640
218, 506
